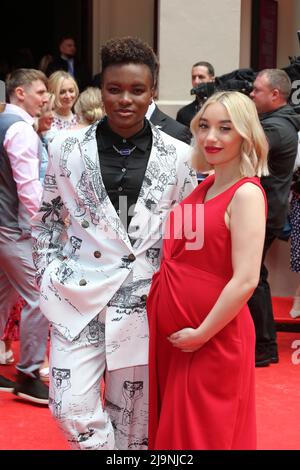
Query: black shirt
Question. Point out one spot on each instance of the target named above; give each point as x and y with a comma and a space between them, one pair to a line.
123, 174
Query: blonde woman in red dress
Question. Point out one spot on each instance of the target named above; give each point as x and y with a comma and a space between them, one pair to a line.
202, 337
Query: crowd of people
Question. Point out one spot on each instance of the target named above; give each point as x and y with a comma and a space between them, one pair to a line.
146, 279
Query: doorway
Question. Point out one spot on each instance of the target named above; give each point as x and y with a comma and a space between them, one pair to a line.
31, 38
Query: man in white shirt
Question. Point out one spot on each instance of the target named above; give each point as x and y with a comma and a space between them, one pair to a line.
20, 195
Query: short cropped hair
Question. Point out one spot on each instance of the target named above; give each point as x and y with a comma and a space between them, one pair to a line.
128, 50
23, 78
210, 68
278, 79
89, 105
244, 118
64, 37
55, 82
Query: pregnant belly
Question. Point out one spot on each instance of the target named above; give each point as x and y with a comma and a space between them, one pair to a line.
182, 296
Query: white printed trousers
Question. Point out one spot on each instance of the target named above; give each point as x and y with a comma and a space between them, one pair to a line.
96, 409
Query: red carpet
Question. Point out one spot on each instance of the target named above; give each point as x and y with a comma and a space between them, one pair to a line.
281, 308
278, 387
278, 398
24, 426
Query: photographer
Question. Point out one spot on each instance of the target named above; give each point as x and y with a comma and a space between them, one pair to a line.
202, 72
271, 91
238, 80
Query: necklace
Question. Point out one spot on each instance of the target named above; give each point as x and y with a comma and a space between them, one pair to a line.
124, 152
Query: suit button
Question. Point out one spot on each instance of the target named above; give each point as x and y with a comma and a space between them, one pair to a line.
82, 282
131, 257
97, 254
85, 224
144, 298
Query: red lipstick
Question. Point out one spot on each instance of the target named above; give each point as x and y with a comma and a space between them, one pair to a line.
213, 149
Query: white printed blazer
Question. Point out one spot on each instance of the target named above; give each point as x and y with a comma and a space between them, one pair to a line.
85, 259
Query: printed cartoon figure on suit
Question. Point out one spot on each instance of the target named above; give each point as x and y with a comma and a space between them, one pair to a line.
110, 188
152, 256
62, 383
132, 391
202, 337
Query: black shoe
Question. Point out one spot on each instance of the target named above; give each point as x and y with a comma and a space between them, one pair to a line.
273, 351
31, 389
262, 361
274, 359
6, 385
262, 356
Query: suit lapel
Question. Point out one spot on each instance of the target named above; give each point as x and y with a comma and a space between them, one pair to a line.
159, 174
157, 118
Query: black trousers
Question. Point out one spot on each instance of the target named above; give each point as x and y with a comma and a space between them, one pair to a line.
260, 305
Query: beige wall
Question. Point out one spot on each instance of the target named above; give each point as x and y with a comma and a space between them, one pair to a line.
191, 31
288, 24
116, 18
245, 36
285, 45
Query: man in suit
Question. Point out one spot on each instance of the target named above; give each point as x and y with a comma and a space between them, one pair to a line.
167, 124
68, 61
271, 91
98, 239
202, 72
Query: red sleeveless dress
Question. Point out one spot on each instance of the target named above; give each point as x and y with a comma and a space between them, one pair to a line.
205, 399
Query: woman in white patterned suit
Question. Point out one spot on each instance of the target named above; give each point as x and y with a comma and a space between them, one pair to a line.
98, 236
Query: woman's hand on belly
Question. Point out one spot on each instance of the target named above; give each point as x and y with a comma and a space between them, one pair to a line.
188, 339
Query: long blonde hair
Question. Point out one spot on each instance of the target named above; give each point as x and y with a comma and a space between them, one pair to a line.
244, 118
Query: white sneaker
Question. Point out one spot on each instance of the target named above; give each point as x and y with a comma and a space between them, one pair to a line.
2, 352
9, 357
295, 311
6, 357
44, 374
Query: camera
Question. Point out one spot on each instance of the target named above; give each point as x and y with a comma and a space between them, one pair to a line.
205, 90
239, 80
